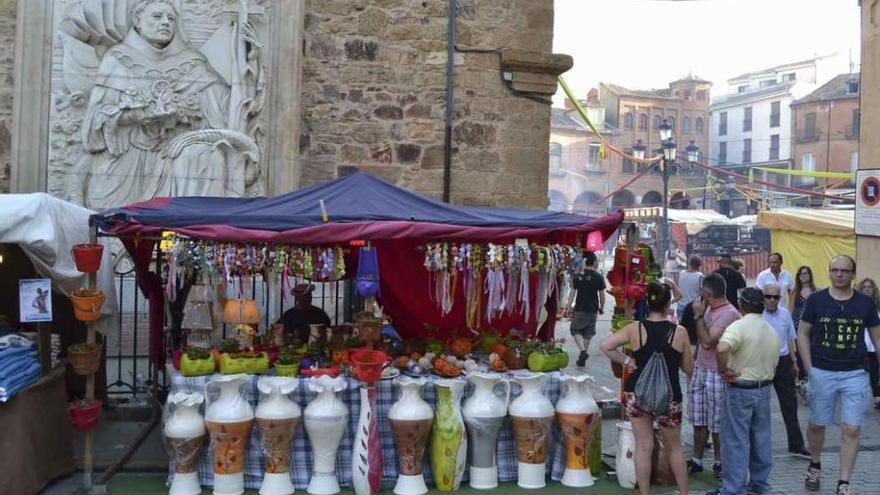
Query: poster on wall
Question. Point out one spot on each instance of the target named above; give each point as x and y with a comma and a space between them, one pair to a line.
868, 202
35, 300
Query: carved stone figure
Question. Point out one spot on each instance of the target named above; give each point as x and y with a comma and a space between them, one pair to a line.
162, 118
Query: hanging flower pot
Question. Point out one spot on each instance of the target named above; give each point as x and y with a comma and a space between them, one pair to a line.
87, 304
87, 257
85, 358
84, 414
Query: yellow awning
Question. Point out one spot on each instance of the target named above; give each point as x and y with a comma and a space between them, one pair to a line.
837, 223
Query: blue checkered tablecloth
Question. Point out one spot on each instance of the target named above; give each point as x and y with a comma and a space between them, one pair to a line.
301, 457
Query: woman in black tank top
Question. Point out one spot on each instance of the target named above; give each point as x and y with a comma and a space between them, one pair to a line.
653, 335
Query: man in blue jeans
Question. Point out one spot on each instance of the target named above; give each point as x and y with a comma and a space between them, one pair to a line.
747, 356
831, 340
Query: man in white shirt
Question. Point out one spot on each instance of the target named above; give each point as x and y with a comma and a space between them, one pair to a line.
786, 370
775, 274
689, 283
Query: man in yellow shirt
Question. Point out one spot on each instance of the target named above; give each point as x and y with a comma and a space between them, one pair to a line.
747, 356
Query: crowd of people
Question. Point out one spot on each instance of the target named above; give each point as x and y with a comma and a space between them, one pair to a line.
735, 343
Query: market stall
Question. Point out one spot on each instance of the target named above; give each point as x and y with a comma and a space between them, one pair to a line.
450, 291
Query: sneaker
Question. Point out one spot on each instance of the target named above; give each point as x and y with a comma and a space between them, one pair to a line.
693, 467
801, 452
582, 359
843, 489
811, 481
716, 468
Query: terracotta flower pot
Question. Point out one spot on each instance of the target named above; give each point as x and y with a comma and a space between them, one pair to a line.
87, 257
87, 304
85, 358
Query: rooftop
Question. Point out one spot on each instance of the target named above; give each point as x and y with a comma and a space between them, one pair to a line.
775, 69
561, 118
691, 77
752, 94
835, 89
650, 93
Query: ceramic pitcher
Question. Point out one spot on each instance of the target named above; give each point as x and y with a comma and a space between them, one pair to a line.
532, 417
411, 419
625, 462
484, 412
577, 414
229, 417
325, 420
278, 417
185, 433
448, 436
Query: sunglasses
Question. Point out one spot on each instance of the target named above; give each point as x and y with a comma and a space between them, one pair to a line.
768, 296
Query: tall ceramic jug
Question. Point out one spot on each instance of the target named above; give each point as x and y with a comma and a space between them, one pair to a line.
448, 436
278, 417
625, 462
185, 433
411, 419
325, 419
484, 412
229, 418
577, 414
532, 417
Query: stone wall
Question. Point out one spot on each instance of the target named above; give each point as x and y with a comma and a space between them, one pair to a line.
869, 141
374, 85
7, 68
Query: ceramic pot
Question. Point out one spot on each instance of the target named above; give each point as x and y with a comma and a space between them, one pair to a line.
448, 436
229, 418
366, 462
532, 417
577, 414
484, 412
278, 417
625, 461
411, 419
185, 434
325, 420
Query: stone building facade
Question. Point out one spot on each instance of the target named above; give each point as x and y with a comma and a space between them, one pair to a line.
869, 140
373, 86
7, 70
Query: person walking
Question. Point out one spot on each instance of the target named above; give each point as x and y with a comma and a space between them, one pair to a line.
869, 288
831, 341
589, 286
706, 390
776, 275
653, 335
733, 279
674, 261
803, 287
787, 368
747, 356
689, 285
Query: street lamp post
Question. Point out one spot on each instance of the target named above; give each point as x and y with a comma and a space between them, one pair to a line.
666, 162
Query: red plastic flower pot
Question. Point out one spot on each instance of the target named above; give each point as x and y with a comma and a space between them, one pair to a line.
369, 364
84, 414
87, 257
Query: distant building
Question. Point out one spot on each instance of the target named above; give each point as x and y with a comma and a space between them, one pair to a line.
826, 127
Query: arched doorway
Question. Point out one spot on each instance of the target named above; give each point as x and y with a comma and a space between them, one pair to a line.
652, 198
680, 201
587, 203
623, 199
558, 202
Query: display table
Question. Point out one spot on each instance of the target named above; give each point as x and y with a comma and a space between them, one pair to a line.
301, 457
37, 442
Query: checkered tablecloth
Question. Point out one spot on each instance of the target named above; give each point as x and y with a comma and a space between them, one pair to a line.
301, 457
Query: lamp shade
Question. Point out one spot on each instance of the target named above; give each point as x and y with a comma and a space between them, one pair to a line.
197, 312
639, 150
665, 130
693, 152
669, 150
241, 312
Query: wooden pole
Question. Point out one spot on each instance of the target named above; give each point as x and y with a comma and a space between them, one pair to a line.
89, 450
45, 347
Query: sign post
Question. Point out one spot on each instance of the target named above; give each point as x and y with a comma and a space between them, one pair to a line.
868, 203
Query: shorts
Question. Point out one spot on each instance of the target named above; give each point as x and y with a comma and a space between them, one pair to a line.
671, 419
825, 387
584, 324
705, 398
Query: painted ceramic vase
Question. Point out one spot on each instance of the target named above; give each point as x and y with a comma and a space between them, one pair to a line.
229, 418
625, 461
484, 412
577, 414
185, 434
366, 460
278, 417
411, 419
325, 420
448, 436
532, 417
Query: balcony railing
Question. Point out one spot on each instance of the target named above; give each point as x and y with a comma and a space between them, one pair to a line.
808, 138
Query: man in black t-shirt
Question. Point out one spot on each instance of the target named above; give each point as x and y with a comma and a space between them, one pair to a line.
589, 303
735, 280
297, 319
831, 340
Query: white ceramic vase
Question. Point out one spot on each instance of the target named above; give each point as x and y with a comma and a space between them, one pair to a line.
448, 436
577, 414
229, 418
484, 412
278, 417
532, 417
625, 461
325, 420
411, 419
184, 431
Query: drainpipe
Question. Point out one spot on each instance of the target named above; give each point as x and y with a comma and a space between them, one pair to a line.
450, 101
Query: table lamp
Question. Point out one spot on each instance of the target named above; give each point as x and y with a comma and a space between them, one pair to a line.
244, 314
198, 316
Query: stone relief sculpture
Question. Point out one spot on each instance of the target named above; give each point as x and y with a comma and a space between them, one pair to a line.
143, 113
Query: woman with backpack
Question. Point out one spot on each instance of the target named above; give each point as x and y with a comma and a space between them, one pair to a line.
652, 391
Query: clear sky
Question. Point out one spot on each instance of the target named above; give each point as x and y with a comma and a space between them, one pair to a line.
646, 44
